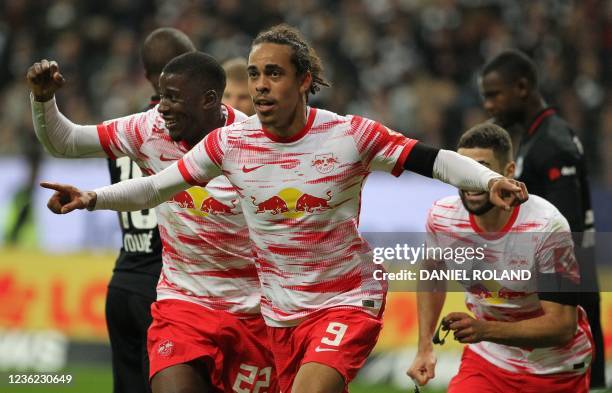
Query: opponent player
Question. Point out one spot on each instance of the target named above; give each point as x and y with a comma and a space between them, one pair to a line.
299, 171
520, 339
237, 90
551, 162
207, 328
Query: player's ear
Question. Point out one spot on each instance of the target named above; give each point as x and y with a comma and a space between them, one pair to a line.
306, 82
210, 100
510, 169
523, 87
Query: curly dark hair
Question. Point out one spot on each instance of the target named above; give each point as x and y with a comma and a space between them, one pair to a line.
304, 57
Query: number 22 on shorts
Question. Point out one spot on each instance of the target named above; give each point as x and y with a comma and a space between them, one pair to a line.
335, 333
262, 376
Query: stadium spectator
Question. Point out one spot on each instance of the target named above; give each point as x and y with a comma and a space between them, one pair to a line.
381, 55
300, 171
237, 91
207, 331
524, 336
550, 160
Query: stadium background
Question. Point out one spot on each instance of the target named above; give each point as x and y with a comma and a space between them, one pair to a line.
408, 63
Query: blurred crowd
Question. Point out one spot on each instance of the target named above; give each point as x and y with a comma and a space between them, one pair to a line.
411, 64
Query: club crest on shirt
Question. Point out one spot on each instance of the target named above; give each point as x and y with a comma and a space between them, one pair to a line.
325, 163
165, 348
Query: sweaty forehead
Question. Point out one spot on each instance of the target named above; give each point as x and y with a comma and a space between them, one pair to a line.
268, 54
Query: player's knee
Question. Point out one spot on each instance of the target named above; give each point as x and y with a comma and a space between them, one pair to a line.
318, 378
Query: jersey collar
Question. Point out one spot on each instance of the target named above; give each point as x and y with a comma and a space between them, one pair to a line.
492, 236
312, 112
230, 114
539, 119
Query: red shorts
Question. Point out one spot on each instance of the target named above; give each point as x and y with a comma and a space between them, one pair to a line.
478, 375
341, 338
235, 351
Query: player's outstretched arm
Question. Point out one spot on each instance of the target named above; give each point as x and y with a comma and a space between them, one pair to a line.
555, 327
59, 136
130, 195
67, 198
466, 174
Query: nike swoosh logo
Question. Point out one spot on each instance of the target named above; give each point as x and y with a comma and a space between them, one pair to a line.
247, 170
319, 349
162, 158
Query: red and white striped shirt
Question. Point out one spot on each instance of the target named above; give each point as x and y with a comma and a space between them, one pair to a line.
537, 238
301, 198
207, 255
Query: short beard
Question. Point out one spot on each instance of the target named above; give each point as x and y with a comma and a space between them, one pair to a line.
480, 210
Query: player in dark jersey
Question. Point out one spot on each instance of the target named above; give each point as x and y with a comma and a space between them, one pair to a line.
131, 290
551, 162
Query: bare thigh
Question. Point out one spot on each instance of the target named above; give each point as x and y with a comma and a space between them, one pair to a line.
317, 378
191, 377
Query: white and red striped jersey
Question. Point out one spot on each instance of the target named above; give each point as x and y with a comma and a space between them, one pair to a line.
301, 199
536, 238
207, 255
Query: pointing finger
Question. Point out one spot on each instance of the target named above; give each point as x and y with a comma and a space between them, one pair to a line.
54, 186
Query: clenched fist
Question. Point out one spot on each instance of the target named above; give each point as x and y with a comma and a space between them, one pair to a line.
44, 79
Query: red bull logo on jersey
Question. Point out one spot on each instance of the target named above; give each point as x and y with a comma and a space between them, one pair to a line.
480, 291
489, 291
213, 206
507, 293
274, 205
292, 203
183, 199
199, 202
312, 204
325, 163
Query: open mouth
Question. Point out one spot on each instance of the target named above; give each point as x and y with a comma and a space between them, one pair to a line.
170, 123
263, 105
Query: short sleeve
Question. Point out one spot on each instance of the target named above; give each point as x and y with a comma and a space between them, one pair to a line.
556, 256
203, 163
124, 136
380, 148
